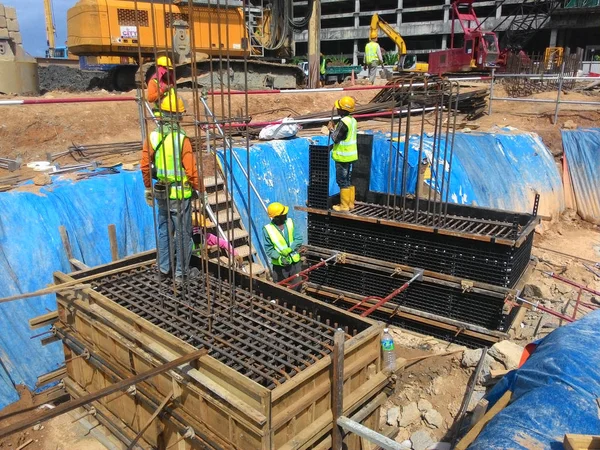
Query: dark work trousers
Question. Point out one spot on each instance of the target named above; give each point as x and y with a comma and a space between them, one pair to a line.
280, 273
343, 174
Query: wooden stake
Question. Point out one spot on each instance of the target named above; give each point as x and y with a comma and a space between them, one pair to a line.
121, 385
114, 246
65, 240
337, 394
154, 415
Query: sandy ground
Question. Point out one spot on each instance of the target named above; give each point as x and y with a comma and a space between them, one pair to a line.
32, 131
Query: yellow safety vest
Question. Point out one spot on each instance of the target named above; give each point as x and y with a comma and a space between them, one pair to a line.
371, 52
279, 242
323, 66
347, 150
168, 163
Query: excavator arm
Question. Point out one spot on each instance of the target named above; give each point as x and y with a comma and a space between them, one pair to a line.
50, 30
378, 23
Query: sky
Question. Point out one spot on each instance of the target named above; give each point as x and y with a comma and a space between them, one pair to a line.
30, 14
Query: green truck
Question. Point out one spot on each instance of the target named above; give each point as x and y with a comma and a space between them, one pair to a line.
335, 73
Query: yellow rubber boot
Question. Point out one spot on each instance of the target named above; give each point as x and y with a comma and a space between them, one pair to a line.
352, 198
344, 200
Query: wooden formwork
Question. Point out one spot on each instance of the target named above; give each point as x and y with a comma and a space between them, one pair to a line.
223, 407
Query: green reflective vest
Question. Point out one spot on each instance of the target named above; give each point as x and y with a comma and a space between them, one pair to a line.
347, 150
279, 242
167, 160
371, 52
323, 66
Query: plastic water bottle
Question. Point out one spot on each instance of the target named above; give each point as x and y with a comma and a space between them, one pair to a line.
387, 347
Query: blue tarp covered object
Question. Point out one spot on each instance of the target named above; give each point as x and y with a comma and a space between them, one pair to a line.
554, 393
582, 149
31, 250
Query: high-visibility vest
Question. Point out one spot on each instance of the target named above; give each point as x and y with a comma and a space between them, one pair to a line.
323, 66
279, 242
168, 162
371, 51
347, 150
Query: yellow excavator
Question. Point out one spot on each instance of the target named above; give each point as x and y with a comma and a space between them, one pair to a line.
406, 62
125, 28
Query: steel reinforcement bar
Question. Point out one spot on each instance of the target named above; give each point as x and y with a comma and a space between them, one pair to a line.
256, 336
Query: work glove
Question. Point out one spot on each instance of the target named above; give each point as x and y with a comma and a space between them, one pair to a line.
148, 196
286, 251
285, 261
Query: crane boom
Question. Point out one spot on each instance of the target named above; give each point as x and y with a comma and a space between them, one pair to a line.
50, 28
378, 23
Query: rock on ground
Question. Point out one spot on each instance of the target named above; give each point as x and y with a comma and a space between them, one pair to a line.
421, 440
392, 416
508, 353
471, 357
569, 125
410, 414
433, 418
424, 405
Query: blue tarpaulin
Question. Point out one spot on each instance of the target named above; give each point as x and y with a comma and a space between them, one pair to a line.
501, 170
31, 250
554, 393
582, 150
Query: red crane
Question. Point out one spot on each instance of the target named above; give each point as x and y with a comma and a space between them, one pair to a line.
479, 50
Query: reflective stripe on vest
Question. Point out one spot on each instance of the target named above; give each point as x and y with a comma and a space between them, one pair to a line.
347, 150
278, 241
167, 160
323, 66
371, 52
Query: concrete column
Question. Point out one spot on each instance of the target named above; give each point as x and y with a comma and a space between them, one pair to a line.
314, 45
498, 10
444, 41
356, 27
553, 37
446, 11
399, 14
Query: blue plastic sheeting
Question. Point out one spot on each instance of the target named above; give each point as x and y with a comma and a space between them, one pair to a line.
31, 250
495, 170
582, 149
502, 170
554, 393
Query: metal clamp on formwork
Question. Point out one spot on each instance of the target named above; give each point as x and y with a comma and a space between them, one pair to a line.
289, 282
418, 276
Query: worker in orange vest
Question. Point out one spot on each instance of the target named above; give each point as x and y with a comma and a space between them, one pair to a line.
161, 83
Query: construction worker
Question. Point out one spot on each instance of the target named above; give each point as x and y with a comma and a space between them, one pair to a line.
161, 83
373, 57
282, 243
345, 151
323, 69
170, 150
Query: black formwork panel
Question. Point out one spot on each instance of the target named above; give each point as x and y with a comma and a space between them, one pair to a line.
484, 310
318, 176
488, 262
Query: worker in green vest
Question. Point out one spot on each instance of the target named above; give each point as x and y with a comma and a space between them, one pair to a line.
169, 151
373, 57
323, 69
282, 243
345, 151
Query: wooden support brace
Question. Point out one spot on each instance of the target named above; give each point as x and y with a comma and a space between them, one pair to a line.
121, 385
154, 415
337, 393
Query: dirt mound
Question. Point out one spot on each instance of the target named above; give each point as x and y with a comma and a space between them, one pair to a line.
69, 79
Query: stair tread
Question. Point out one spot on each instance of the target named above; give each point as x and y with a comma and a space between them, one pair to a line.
210, 182
222, 197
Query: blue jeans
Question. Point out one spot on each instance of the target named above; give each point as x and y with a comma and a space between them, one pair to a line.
343, 174
177, 216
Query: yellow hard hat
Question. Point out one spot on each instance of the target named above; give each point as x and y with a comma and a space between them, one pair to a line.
164, 62
277, 209
373, 35
345, 103
172, 104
